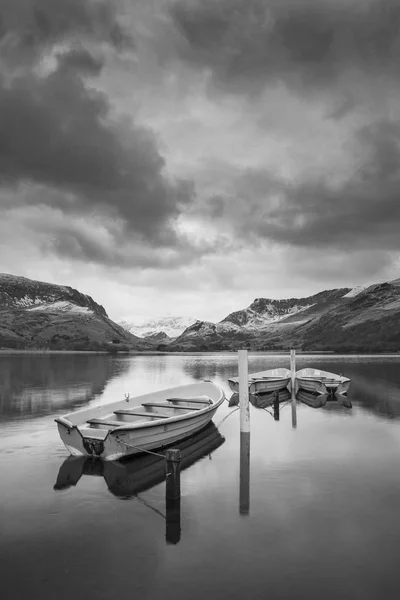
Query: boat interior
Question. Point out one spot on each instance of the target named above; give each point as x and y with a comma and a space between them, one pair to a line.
147, 412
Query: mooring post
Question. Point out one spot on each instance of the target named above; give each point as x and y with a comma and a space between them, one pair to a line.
293, 386
173, 496
244, 475
244, 391
172, 474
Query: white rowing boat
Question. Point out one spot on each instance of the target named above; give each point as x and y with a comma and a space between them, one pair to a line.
264, 382
321, 382
142, 423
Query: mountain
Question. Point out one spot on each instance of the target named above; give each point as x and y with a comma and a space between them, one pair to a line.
366, 318
36, 314
170, 326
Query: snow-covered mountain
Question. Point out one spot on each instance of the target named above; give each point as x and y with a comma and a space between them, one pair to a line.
171, 326
36, 314
21, 292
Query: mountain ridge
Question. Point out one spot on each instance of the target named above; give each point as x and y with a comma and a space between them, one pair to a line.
363, 318
36, 314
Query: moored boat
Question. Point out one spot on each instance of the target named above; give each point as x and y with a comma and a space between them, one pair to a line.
321, 382
264, 382
142, 423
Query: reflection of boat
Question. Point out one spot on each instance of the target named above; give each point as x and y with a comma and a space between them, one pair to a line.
264, 381
316, 400
136, 474
142, 423
312, 399
263, 400
322, 382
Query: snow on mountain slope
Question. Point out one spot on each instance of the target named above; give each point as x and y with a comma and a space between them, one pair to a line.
355, 291
170, 325
61, 306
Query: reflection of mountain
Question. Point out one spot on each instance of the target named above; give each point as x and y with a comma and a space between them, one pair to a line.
35, 384
378, 396
139, 473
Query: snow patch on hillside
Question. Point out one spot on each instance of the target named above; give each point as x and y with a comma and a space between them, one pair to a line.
61, 306
355, 291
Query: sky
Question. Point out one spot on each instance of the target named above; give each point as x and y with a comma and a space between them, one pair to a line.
184, 157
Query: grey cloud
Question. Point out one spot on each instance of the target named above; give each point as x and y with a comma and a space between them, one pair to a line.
362, 212
308, 45
80, 59
31, 25
58, 132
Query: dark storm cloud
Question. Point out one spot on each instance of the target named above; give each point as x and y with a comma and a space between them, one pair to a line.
31, 25
361, 212
80, 59
306, 44
59, 132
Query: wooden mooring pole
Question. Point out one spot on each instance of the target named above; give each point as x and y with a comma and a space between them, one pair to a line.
173, 496
244, 391
293, 386
244, 484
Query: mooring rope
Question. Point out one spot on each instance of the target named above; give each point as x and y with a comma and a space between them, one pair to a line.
138, 447
226, 416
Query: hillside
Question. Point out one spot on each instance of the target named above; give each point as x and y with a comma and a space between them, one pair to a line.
364, 319
40, 315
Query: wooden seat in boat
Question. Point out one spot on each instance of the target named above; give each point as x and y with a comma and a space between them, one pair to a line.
139, 413
105, 422
197, 399
166, 405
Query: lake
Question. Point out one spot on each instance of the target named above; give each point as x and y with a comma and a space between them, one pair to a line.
321, 518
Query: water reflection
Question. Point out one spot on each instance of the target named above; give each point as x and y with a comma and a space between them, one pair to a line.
127, 478
244, 476
330, 402
34, 385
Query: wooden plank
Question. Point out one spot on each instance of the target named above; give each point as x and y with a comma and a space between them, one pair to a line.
102, 422
196, 400
140, 413
165, 405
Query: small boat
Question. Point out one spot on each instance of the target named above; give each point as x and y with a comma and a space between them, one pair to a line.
142, 423
264, 381
136, 474
322, 382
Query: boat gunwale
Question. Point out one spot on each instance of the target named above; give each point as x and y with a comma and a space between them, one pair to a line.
155, 423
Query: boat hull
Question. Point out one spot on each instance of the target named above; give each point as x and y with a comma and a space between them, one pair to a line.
321, 382
264, 382
127, 442
129, 439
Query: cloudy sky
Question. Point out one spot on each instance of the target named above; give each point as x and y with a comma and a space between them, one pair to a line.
187, 156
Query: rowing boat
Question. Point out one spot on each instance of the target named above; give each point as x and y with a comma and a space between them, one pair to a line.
141, 423
321, 382
264, 382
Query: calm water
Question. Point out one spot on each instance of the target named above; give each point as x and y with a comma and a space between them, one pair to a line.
324, 497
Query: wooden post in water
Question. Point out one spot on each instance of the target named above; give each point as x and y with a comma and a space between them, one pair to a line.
293, 386
173, 496
244, 391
